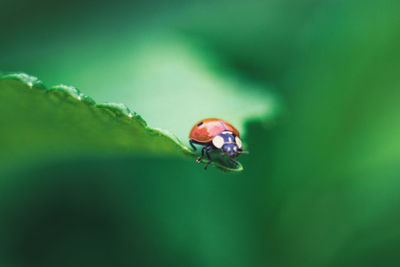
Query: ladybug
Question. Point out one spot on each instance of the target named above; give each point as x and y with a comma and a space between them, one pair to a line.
215, 134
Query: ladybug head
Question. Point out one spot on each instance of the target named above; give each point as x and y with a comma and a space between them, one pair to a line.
228, 143
230, 150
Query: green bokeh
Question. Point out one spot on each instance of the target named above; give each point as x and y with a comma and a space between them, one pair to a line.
321, 182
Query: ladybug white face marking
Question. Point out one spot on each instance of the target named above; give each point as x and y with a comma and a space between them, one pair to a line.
218, 141
238, 142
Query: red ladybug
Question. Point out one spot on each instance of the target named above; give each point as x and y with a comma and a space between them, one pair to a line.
216, 134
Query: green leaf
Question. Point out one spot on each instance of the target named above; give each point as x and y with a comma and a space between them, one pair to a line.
42, 122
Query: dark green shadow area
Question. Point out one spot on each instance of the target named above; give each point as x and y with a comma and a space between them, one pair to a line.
119, 212
86, 212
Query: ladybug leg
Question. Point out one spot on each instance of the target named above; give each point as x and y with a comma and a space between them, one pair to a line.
209, 148
202, 155
235, 161
191, 143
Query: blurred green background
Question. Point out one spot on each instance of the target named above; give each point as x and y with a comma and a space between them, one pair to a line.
313, 85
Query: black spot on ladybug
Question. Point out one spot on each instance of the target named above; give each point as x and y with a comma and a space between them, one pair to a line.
200, 123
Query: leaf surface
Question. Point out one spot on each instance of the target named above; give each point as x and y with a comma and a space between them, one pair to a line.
43, 122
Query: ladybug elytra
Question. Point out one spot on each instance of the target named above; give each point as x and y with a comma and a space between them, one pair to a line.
216, 134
